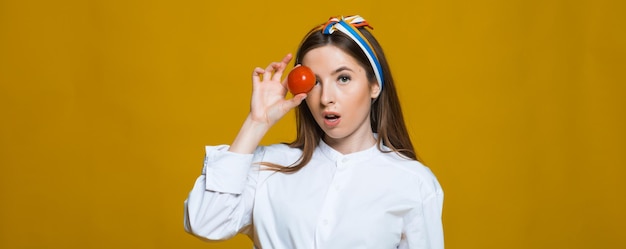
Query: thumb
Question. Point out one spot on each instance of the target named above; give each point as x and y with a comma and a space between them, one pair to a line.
297, 100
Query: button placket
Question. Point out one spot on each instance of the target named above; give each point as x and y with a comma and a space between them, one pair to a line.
329, 208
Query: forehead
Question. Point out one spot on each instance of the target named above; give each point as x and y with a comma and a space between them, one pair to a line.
328, 56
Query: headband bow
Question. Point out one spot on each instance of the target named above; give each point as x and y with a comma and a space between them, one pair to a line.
349, 25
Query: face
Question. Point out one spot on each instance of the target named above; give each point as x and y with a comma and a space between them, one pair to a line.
341, 100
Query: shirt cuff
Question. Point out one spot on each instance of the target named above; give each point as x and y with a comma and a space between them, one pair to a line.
226, 171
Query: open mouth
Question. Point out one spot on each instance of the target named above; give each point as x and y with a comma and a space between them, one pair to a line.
331, 117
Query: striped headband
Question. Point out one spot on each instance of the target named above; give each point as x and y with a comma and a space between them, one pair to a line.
349, 25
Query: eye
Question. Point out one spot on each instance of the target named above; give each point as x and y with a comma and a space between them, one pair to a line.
343, 79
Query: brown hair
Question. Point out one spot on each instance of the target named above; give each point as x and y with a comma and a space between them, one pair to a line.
385, 115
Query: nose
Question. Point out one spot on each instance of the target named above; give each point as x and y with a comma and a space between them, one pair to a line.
328, 94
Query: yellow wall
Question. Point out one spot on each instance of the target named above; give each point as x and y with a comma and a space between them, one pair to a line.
517, 106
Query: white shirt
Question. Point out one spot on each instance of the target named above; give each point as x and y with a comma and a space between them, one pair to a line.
367, 199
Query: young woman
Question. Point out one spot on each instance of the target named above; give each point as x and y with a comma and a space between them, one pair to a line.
351, 179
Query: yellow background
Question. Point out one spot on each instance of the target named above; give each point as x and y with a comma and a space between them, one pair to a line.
517, 106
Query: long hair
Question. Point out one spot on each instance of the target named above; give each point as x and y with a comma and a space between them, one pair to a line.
386, 117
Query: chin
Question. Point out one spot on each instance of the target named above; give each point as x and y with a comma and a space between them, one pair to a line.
334, 134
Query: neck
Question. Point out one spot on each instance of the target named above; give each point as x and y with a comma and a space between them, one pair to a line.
351, 143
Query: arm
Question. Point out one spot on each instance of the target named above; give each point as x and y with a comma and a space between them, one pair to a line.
220, 203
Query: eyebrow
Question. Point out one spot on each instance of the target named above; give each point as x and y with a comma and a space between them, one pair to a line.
338, 70
342, 69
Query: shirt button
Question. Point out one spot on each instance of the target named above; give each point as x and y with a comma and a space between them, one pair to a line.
345, 160
325, 222
336, 187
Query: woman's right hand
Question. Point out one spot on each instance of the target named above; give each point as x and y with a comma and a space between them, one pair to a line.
268, 104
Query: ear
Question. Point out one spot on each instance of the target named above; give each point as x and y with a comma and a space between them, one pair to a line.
374, 90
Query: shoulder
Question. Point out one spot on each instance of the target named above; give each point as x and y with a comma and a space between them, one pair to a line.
406, 165
414, 171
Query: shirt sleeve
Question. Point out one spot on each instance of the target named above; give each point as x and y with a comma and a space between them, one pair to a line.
220, 203
423, 227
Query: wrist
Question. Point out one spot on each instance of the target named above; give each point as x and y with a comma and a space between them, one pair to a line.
249, 136
255, 125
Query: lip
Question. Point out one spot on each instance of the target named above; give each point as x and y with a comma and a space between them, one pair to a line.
331, 122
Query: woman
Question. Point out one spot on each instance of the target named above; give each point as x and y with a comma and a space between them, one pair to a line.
351, 179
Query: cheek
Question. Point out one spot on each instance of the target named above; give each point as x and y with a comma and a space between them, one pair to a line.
313, 105
312, 97
361, 102
361, 94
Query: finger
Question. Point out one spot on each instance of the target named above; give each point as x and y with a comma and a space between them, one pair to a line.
270, 68
287, 58
256, 74
296, 100
280, 69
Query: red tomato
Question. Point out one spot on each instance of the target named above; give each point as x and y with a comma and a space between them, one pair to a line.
300, 80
